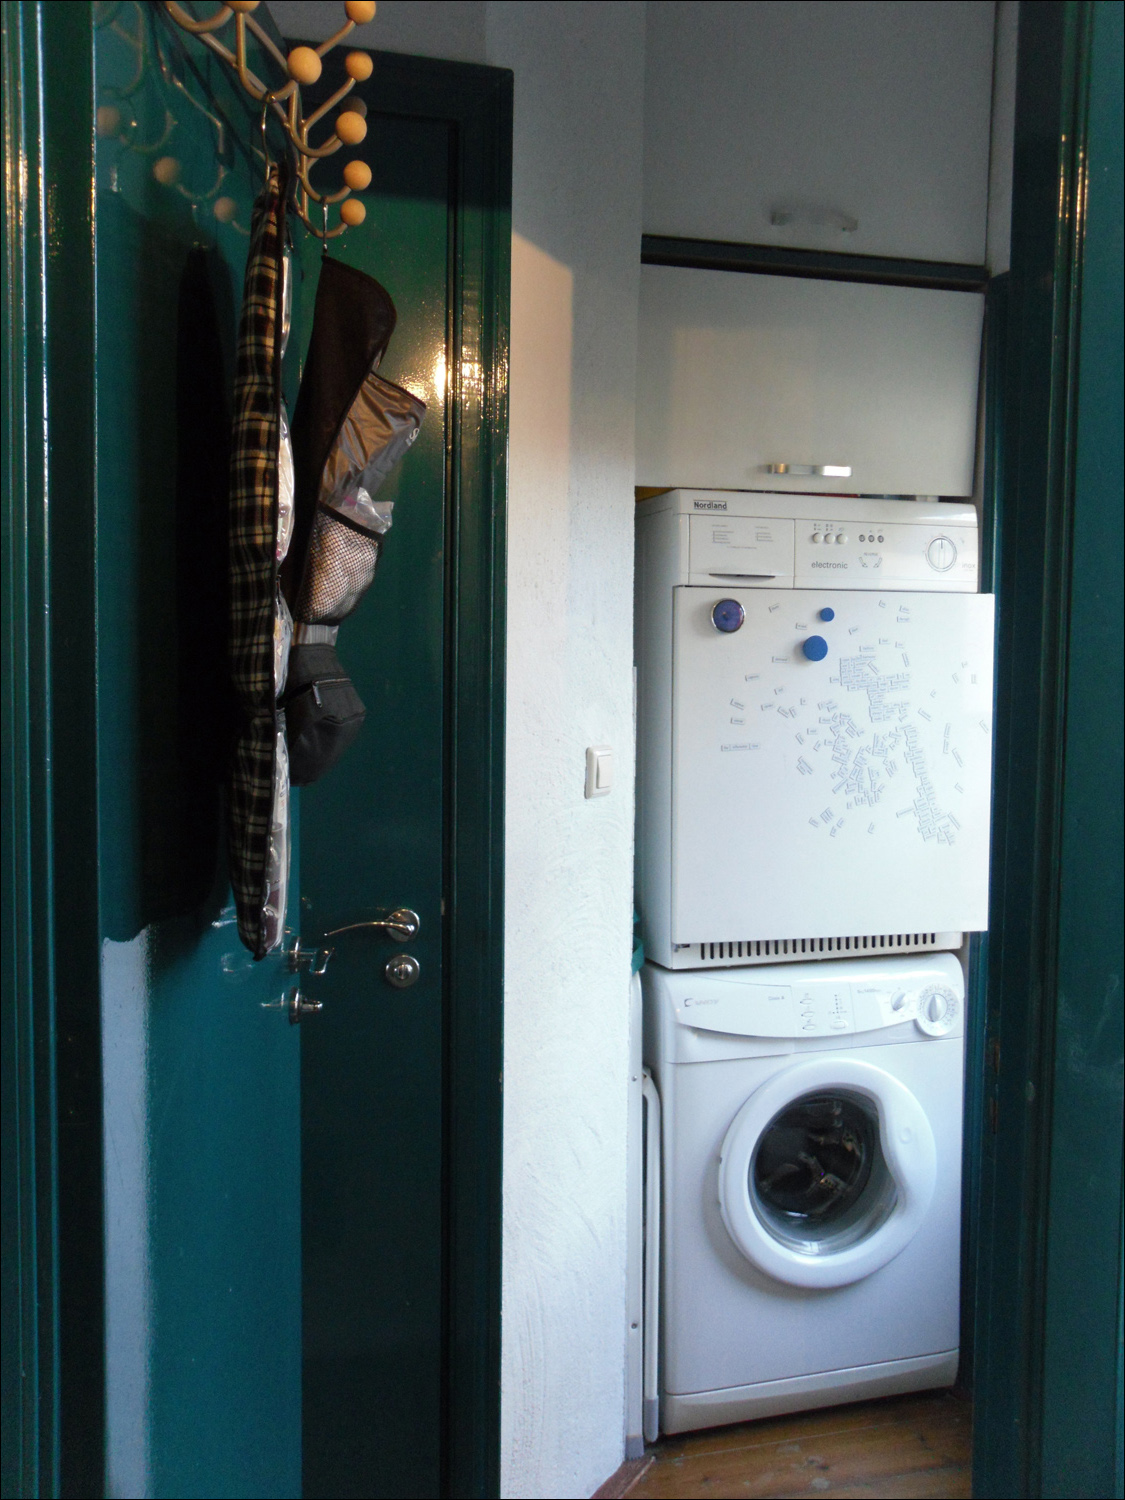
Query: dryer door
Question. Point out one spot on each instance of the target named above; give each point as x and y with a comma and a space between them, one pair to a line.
827, 1172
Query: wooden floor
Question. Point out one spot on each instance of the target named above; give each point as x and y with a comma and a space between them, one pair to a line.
901, 1447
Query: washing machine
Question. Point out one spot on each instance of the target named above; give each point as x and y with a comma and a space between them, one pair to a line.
811, 1182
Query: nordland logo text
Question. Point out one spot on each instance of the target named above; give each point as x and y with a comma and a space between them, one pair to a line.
710, 504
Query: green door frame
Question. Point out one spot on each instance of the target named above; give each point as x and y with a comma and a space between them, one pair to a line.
1047, 1376
475, 103
53, 1308
1048, 1277
53, 1334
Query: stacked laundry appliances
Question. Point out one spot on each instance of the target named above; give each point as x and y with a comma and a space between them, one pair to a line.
814, 753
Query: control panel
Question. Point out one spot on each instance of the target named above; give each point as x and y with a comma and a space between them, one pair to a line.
831, 1006
885, 555
805, 541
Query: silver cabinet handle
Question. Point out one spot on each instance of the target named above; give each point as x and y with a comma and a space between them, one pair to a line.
402, 924
812, 471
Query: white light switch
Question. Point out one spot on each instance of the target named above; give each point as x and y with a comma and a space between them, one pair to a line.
599, 770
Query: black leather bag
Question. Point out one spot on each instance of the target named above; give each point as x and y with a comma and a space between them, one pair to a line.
323, 712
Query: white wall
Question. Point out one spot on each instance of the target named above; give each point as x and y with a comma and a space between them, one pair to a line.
575, 280
575, 284
427, 28
873, 110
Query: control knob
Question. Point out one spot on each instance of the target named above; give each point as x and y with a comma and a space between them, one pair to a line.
938, 1009
941, 554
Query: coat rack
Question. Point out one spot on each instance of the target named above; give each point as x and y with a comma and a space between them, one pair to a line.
302, 66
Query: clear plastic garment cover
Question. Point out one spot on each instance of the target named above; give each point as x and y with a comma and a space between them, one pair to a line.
351, 428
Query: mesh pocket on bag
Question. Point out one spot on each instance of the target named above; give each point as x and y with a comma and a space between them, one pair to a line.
340, 567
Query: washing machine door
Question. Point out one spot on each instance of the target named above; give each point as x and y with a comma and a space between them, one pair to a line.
827, 1172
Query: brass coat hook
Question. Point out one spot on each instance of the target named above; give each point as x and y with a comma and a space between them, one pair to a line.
303, 66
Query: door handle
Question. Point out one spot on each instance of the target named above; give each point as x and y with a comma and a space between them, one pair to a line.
402, 925
297, 1006
315, 959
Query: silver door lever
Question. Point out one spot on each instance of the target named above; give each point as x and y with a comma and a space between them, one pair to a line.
402, 924
316, 961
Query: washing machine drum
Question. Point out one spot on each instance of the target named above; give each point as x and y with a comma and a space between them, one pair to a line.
827, 1172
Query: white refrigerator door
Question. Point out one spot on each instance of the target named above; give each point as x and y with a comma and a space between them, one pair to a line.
849, 795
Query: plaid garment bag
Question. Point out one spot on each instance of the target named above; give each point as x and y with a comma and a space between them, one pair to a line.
261, 518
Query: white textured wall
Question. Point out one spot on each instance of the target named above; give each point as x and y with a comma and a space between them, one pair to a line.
575, 279
575, 282
427, 28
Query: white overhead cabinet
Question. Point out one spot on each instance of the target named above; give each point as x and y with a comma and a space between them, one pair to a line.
781, 383
861, 127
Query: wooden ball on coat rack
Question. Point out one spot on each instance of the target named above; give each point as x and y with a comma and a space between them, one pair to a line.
358, 65
352, 212
357, 176
304, 65
224, 209
351, 127
242, 5
360, 11
166, 170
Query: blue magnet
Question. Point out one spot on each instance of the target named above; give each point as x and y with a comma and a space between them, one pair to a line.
728, 615
827, 614
815, 648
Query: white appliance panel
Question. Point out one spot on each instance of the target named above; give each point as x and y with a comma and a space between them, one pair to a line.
737, 1342
738, 373
727, 1324
757, 550
854, 789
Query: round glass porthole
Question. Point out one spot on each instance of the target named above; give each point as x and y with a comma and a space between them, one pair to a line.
818, 1179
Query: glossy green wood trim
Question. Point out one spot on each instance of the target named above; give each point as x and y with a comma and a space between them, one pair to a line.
479, 101
68, 165
1050, 1187
1085, 1197
980, 1056
30, 1323
476, 767
476, 103
1030, 547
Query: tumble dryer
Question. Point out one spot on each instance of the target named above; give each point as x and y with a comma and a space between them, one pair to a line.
814, 727
811, 1160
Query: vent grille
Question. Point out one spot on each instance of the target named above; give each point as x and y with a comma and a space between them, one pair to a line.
796, 950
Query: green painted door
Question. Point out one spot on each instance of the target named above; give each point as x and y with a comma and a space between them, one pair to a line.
371, 841
158, 1082
1048, 1314
201, 1069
